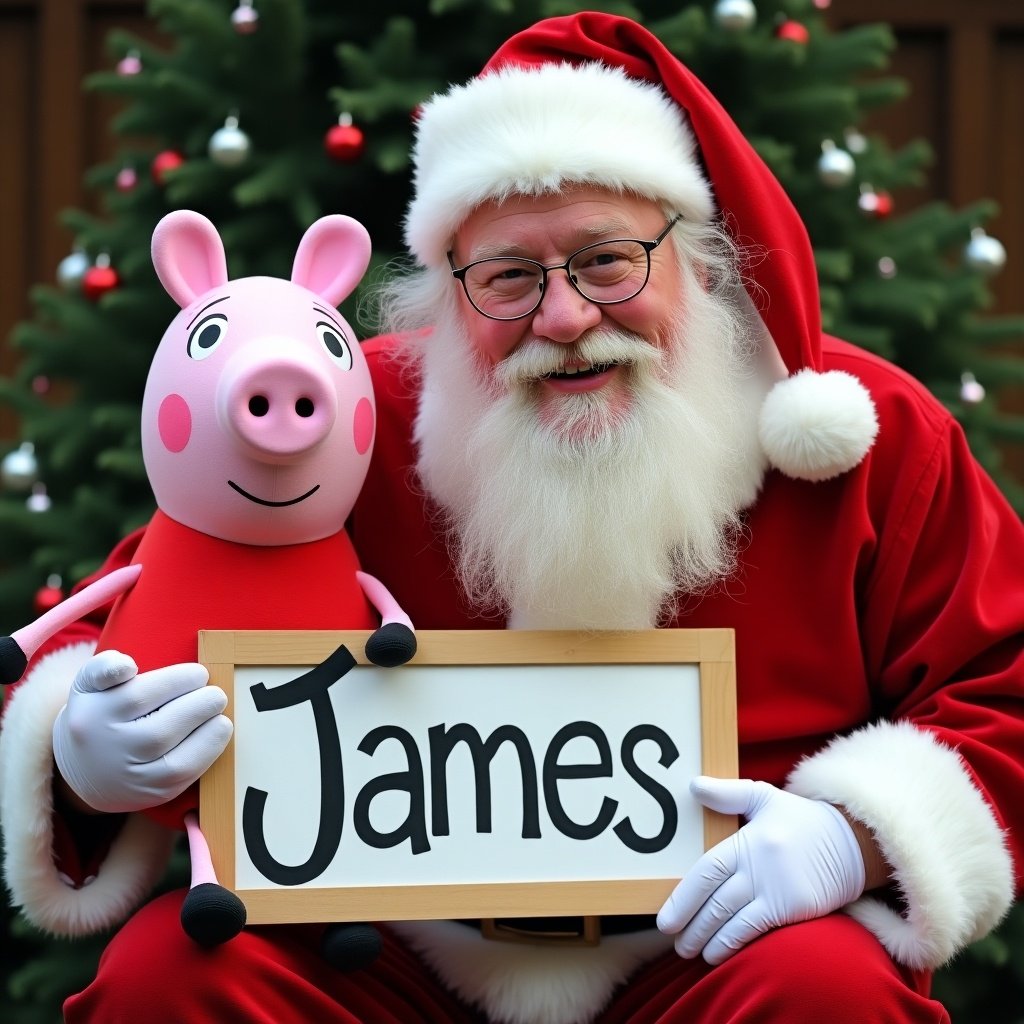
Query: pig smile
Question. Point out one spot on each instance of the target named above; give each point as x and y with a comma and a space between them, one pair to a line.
273, 504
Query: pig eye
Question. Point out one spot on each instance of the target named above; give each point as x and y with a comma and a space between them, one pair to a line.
335, 343
207, 335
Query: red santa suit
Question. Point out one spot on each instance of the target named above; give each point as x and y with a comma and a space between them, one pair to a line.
878, 616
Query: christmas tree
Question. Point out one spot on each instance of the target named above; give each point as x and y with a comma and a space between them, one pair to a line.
264, 116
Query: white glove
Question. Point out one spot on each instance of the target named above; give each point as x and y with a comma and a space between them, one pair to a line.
125, 742
795, 859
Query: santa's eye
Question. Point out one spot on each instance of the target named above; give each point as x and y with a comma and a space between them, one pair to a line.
336, 344
207, 335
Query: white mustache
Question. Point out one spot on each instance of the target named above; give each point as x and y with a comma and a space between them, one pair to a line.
537, 359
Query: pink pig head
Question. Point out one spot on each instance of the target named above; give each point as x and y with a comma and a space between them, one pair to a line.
258, 415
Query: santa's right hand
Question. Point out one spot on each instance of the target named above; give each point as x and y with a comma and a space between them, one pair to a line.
126, 741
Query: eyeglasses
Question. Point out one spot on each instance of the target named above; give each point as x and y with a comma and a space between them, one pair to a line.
509, 288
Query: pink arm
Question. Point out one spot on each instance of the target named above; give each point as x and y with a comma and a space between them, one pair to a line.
31, 637
380, 597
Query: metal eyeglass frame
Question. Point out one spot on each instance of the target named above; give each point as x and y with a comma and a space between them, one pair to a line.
459, 273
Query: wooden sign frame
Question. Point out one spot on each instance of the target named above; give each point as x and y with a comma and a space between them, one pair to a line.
710, 650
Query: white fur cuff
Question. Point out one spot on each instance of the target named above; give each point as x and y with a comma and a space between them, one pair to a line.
934, 827
138, 856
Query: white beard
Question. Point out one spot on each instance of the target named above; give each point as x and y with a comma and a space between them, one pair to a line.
605, 517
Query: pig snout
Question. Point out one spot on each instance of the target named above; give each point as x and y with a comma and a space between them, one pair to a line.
278, 406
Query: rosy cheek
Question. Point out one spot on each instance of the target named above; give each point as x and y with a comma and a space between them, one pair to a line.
362, 426
174, 422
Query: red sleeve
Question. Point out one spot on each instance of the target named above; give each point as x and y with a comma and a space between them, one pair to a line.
945, 615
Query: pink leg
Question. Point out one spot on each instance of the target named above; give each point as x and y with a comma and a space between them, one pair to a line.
202, 864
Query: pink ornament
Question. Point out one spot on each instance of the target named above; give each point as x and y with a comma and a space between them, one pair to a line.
130, 64
126, 179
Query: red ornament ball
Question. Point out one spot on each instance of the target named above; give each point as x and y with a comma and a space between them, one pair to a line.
877, 205
344, 143
97, 281
168, 160
794, 32
47, 597
884, 205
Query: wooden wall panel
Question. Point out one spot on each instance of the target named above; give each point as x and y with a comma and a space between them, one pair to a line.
17, 116
1005, 162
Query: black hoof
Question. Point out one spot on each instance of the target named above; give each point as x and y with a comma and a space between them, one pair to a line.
212, 914
12, 660
393, 644
350, 947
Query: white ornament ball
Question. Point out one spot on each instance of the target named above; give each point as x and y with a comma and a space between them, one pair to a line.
856, 143
229, 146
71, 270
985, 253
244, 19
38, 500
735, 15
20, 468
836, 167
971, 391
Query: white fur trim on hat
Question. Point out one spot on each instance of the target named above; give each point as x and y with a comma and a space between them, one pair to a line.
138, 857
814, 426
934, 827
522, 131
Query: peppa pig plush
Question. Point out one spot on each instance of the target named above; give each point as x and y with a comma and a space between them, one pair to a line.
258, 424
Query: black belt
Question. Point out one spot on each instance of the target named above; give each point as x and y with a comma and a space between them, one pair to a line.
559, 931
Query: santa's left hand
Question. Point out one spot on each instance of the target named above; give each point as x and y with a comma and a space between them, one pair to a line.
795, 859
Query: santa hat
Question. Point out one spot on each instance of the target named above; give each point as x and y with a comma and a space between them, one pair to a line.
596, 99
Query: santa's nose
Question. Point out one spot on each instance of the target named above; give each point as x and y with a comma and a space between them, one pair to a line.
564, 315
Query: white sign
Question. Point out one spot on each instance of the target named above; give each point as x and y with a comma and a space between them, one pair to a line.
496, 769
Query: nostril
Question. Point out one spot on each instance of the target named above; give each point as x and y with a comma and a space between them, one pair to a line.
258, 405
304, 407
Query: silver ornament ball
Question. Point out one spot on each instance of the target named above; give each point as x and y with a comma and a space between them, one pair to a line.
38, 500
985, 253
229, 146
856, 143
735, 15
71, 270
244, 19
836, 167
20, 468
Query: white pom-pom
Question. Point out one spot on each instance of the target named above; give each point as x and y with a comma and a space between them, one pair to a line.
815, 426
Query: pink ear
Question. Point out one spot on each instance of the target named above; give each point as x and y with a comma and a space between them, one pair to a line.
188, 256
332, 257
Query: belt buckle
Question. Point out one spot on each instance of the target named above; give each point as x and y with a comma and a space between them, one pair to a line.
505, 930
